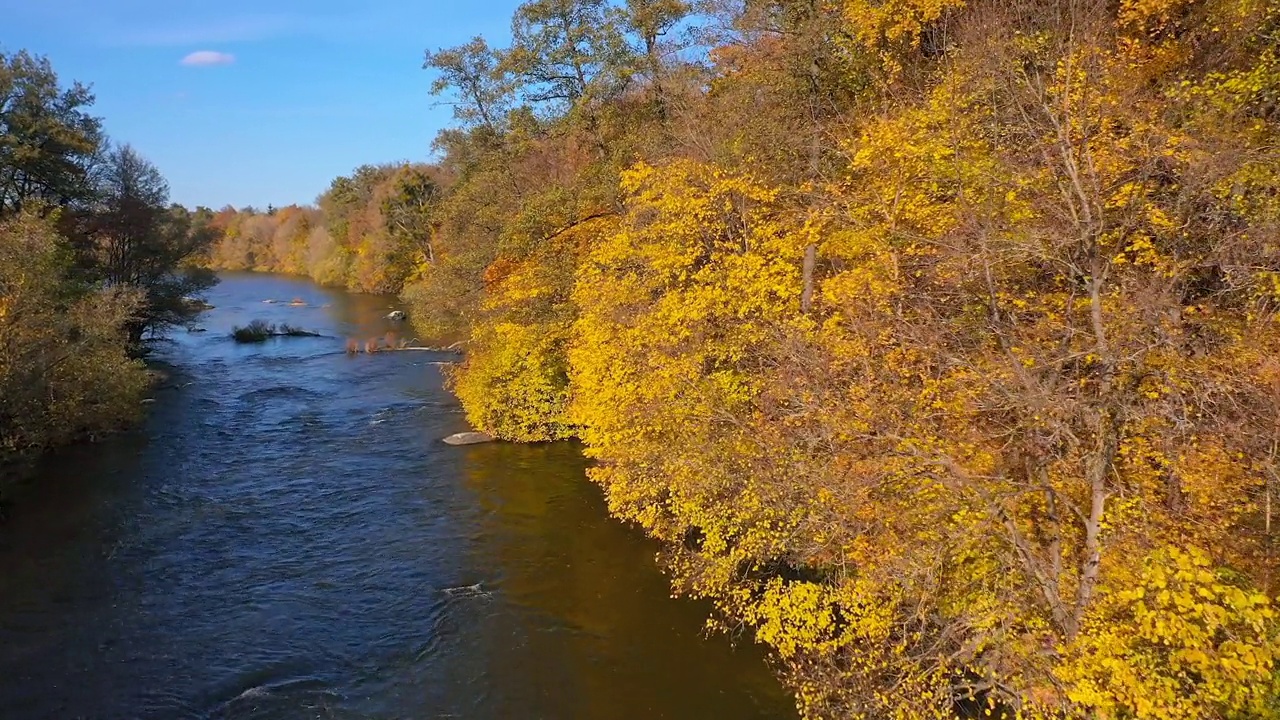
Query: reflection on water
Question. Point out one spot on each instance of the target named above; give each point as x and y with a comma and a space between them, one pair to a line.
586, 593
287, 538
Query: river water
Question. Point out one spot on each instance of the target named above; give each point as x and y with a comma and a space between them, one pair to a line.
287, 537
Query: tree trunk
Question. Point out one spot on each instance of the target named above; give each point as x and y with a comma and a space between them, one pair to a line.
810, 260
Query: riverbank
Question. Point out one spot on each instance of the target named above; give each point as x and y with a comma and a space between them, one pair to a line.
158, 374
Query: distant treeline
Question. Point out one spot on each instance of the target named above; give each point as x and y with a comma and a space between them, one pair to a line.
368, 233
94, 262
936, 339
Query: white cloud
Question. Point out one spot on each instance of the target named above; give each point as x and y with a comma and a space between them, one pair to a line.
205, 58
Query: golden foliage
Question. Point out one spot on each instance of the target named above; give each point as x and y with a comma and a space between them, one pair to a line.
64, 367
935, 339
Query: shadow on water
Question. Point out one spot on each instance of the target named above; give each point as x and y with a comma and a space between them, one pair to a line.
286, 537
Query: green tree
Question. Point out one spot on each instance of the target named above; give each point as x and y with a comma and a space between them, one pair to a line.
474, 75
48, 141
407, 201
563, 50
133, 238
647, 24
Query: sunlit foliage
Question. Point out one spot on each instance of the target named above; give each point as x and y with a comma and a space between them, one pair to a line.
94, 263
368, 233
64, 369
935, 339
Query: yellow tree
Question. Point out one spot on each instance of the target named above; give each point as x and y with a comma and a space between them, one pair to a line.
64, 369
1037, 368
1056, 366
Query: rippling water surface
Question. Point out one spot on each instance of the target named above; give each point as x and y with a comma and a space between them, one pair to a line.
287, 537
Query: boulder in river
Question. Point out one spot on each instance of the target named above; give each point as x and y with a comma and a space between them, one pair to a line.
396, 315
469, 438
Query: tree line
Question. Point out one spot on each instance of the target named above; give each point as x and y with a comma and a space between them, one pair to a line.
367, 232
935, 339
94, 263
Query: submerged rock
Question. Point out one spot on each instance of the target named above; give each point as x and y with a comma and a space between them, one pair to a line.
469, 438
476, 590
396, 315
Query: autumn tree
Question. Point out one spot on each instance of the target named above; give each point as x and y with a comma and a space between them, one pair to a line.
934, 339
369, 232
64, 371
965, 472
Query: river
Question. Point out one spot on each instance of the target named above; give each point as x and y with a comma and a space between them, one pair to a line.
287, 537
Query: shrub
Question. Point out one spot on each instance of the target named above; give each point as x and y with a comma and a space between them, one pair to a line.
255, 332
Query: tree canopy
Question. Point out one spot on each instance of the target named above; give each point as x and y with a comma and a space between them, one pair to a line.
935, 339
48, 140
93, 258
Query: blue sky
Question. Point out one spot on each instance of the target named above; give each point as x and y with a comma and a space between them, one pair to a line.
283, 96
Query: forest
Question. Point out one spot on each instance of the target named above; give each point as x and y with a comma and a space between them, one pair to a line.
935, 340
95, 263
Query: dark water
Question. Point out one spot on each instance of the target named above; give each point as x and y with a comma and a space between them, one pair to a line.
281, 539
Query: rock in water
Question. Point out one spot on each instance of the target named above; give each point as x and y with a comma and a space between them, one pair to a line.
469, 438
396, 315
